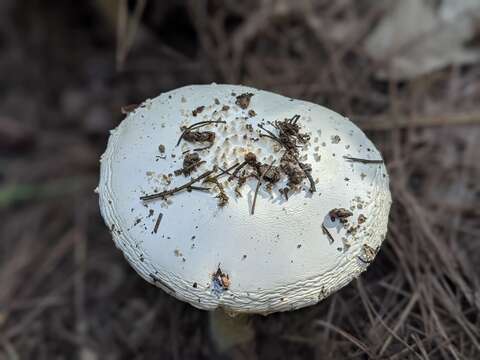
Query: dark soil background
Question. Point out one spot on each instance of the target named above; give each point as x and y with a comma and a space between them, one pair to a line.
65, 72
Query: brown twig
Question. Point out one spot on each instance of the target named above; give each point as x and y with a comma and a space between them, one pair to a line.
204, 148
198, 188
271, 137
166, 193
326, 232
226, 171
258, 186
269, 134
364, 161
157, 223
236, 171
307, 174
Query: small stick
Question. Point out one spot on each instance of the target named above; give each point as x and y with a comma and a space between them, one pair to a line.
226, 171
165, 193
325, 231
204, 148
235, 173
364, 161
198, 188
258, 186
308, 175
198, 125
272, 135
294, 119
157, 223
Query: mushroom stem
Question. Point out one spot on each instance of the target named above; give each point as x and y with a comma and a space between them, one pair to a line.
229, 333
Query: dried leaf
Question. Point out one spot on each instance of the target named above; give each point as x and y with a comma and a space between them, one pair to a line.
416, 37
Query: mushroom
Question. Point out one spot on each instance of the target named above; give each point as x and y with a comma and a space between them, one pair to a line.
225, 237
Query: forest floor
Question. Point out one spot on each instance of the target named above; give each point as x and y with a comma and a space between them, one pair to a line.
65, 290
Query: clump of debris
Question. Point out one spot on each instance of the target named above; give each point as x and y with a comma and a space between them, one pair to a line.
286, 135
243, 100
341, 214
191, 162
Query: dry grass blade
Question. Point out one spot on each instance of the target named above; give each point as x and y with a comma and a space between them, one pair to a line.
127, 28
347, 336
400, 322
387, 123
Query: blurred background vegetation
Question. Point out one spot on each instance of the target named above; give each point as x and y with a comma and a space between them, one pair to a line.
407, 72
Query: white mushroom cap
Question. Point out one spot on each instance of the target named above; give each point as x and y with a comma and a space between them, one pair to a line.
289, 253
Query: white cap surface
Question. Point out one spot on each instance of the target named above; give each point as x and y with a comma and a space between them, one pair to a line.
289, 253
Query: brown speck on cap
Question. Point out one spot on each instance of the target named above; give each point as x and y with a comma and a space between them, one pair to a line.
198, 110
340, 213
335, 139
222, 199
157, 223
243, 100
369, 254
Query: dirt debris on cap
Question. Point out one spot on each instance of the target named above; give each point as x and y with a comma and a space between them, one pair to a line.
243, 100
